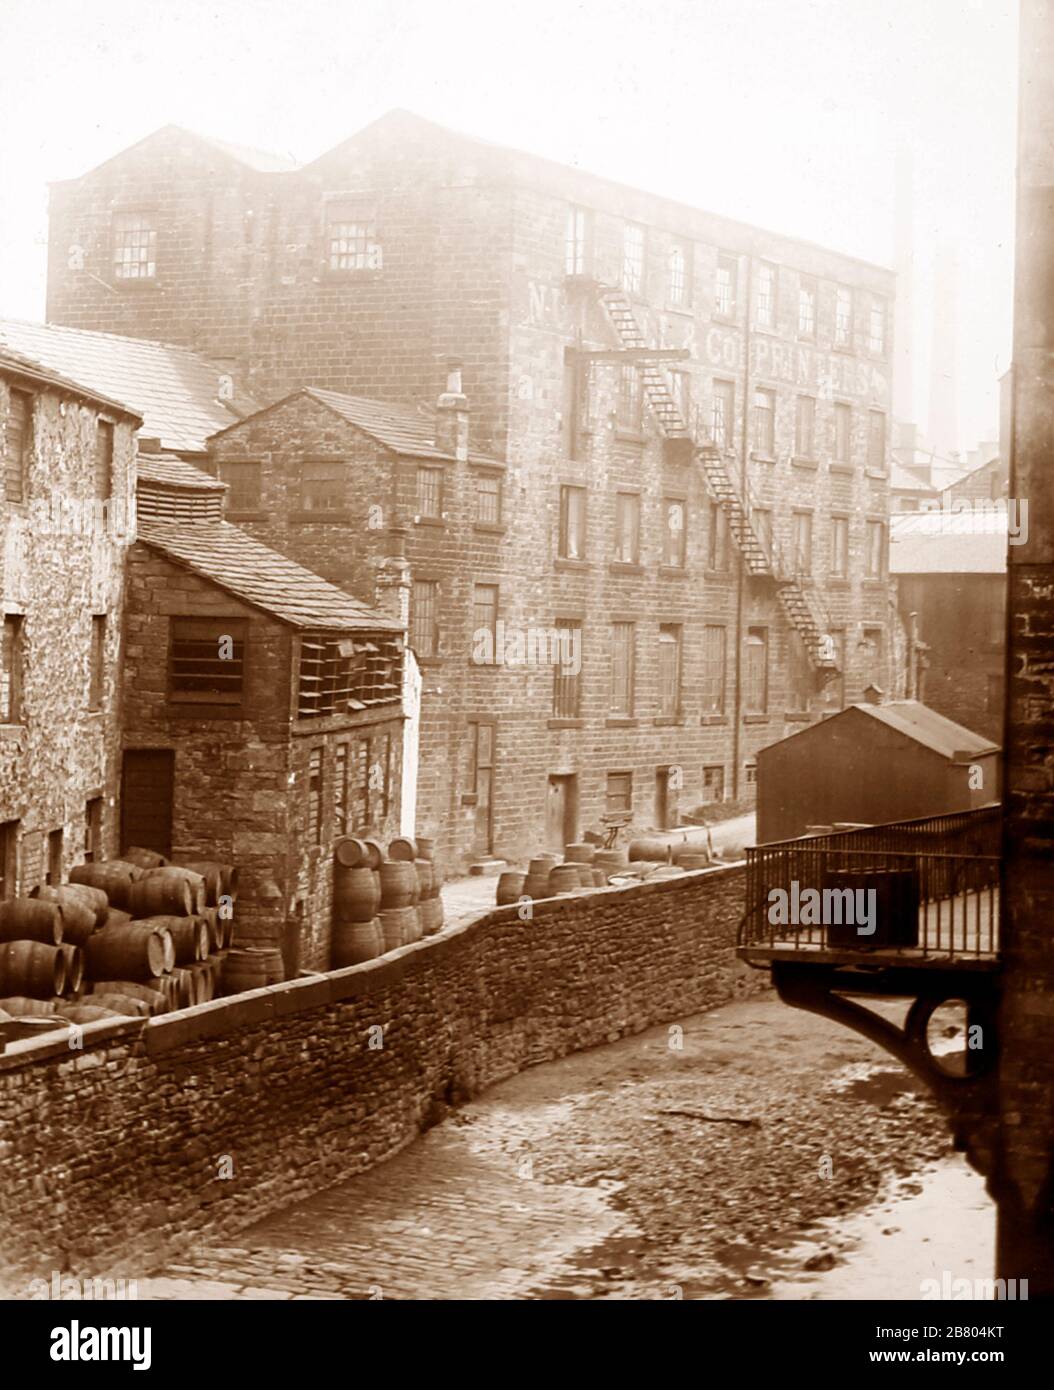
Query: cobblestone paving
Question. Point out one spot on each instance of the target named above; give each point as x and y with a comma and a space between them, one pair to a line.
630, 1171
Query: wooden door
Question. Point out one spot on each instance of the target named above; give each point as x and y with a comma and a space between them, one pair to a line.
484, 788
147, 780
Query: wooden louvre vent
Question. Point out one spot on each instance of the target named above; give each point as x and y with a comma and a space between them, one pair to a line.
346, 673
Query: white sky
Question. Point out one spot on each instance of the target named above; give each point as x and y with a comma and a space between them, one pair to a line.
786, 113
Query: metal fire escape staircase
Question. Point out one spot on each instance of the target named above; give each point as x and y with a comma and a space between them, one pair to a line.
761, 556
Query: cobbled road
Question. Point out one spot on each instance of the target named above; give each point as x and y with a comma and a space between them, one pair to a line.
676, 1164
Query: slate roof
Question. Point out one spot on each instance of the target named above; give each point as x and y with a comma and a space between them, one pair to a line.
170, 471
400, 428
173, 390
232, 559
949, 542
900, 480
263, 161
29, 368
929, 728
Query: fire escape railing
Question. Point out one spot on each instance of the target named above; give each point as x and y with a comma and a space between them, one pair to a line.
935, 880
761, 554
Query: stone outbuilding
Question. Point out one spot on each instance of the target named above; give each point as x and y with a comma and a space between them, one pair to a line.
264, 711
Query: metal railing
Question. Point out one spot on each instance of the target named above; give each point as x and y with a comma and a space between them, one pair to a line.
934, 884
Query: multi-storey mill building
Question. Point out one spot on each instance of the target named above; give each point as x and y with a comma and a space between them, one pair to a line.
677, 446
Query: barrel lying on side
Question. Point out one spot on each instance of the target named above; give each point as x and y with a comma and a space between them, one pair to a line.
32, 968
115, 880
162, 894
131, 951
29, 919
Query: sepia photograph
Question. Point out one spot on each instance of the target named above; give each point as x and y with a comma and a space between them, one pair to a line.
527, 677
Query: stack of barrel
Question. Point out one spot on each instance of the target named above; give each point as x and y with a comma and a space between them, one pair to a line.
382, 902
356, 931
125, 937
582, 869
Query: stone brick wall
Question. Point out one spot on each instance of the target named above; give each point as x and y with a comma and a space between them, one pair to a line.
241, 783
114, 1152
61, 563
962, 619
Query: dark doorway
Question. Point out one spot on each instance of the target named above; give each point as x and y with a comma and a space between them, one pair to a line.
147, 779
561, 812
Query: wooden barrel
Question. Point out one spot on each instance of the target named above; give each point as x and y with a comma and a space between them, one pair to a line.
356, 894
170, 891
397, 923
600, 878
131, 989
129, 951
694, 861
402, 850
543, 864
424, 878
398, 883
80, 916
169, 896
610, 859
374, 853
251, 967
29, 919
19, 1004
580, 853
430, 913
120, 1003
564, 879
510, 888
114, 879
536, 885
351, 853
94, 898
426, 847
658, 851
212, 871
354, 942
74, 958
189, 936
585, 875
214, 926
32, 968
438, 877
143, 858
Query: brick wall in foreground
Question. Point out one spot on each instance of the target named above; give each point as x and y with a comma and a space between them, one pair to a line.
112, 1154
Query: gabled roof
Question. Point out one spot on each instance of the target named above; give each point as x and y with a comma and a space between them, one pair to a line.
29, 369
263, 161
166, 470
911, 718
900, 480
253, 572
970, 541
173, 391
400, 428
929, 728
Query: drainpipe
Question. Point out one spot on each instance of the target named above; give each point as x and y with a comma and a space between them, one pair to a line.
737, 715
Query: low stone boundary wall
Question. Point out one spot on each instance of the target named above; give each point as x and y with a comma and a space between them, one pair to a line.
117, 1156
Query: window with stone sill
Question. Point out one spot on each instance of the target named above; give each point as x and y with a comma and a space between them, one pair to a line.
11, 670
103, 459
18, 442
207, 660
488, 499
